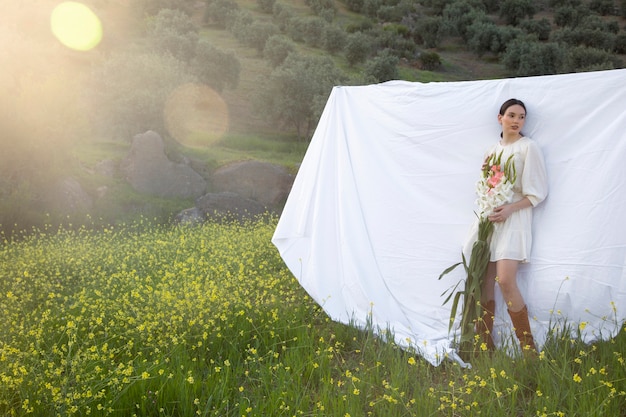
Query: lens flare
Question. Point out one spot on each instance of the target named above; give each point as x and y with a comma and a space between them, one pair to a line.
76, 26
196, 115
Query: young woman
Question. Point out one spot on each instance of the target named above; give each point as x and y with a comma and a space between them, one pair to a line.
512, 236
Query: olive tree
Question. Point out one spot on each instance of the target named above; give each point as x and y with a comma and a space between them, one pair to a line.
297, 90
514, 11
130, 91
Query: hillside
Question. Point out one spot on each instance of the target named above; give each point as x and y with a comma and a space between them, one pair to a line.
226, 80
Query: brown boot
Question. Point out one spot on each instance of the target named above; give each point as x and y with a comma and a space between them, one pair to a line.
484, 326
522, 330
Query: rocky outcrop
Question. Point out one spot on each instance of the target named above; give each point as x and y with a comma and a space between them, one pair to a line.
263, 182
68, 196
149, 171
228, 205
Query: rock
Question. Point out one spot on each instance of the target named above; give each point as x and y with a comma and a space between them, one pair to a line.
228, 205
106, 168
263, 182
68, 196
148, 170
191, 216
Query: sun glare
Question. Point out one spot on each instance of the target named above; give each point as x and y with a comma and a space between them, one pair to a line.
76, 26
196, 115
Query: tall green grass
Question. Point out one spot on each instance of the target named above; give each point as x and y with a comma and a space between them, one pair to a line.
147, 320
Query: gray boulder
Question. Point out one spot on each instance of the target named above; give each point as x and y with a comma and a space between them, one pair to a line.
148, 170
263, 182
227, 205
68, 196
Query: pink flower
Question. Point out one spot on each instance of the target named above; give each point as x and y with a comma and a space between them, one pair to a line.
495, 179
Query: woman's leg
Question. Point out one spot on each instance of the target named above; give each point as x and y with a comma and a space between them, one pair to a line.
507, 280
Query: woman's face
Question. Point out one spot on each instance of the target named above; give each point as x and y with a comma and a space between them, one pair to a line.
512, 120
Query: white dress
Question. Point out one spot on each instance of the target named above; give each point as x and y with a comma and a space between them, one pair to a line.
512, 239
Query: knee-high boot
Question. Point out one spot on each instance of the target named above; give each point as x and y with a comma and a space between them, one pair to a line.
484, 326
522, 329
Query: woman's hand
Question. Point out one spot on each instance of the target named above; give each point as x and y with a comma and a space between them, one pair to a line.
501, 213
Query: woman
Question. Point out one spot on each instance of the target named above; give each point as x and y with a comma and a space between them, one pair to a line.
511, 239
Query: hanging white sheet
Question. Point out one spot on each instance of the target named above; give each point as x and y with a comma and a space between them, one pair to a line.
385, 196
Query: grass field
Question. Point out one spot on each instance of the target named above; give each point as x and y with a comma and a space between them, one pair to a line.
149, 320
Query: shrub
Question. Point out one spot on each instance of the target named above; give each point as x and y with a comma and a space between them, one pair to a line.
581, 58
603, 7
525, 56
357, 48
220, 12
570, 16
173, 32
513, 11
429, 30
430, 61
259, 33
541, 28
334, 39
620, 43
277, 48
585, 37
214, 67
354, 5
266, 6
282, 14
390, 39
297, 91
323, 8
460, 15
383, 67
313, 28
130, 89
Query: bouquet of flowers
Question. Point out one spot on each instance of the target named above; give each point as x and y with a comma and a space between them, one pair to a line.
494, 188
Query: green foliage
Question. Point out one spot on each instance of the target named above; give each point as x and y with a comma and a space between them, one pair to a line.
585, 37
130, 90
258, 33
525, 56
581, 58
214, 67
430, 61
429, 31
620, 43
326, 9
603, 7
267, 6
540, 28
277, 48
144, 8
570, 16
458, 16
172, 32
282, 15
488, 37
220, 12
354, 5
313, 28
334, 39
157, 320
514, 11
357, 48
297, 91
383, 67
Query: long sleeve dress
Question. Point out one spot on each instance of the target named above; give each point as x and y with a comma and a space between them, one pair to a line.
512, 239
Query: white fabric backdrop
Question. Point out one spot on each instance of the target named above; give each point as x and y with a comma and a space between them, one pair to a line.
385, 196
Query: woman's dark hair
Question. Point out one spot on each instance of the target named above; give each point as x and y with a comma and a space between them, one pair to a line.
511, 102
